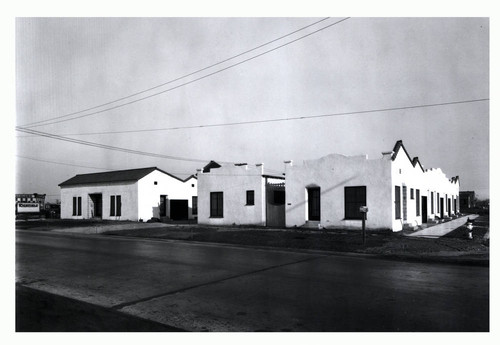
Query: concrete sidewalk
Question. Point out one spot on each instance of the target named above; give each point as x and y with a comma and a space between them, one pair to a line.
442, 229
97, 229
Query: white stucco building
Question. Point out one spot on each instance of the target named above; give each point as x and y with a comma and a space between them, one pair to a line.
129, 195
398, 192
240, 194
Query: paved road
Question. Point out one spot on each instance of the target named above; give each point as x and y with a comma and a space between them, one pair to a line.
200, 287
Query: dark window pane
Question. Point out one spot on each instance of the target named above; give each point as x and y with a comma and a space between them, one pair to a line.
418, 201
250, 197
112, 205
397, 201
195, 205
119, 205
354, 198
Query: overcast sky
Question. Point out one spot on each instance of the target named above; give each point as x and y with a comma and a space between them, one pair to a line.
65, 65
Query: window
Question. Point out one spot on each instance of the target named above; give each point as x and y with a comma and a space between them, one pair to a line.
314, 203
77, 206
195, 205
437, 202
250, 197
279, 197
115, 206
216, 205
354, 198
411, 194
404, 203
418, 202
432, 202
397, 201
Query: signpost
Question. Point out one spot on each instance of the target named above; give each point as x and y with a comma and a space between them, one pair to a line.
364, 210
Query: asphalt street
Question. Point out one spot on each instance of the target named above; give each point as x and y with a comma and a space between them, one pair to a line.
212, 287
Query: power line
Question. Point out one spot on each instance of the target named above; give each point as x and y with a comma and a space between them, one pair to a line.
108, 147
179, 78
82, 166
52, 162
34, 124
285, 118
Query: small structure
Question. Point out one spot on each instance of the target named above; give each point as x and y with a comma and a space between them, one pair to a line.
467, 200
133, 194
328, 192
240, 194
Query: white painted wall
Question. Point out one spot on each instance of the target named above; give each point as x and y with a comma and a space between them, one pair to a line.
332, 173
128, 192
233, 181
140, 199
405, 174
439, 183
149, 193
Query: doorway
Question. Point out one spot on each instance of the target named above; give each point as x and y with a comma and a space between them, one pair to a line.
163, 205
441, 207
179, 209
95, 205
314, 203
424, 209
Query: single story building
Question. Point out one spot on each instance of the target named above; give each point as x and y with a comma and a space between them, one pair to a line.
240, 194
134, 194
328, 192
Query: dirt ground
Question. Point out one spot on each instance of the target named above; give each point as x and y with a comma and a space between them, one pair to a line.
454, 247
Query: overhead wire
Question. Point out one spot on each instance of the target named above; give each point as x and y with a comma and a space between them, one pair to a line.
181, 77
108, 147
50, 122
282, 119
83, 166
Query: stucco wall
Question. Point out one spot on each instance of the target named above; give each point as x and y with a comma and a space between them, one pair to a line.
128, 192
233, 181
412, 177
439, 183
174, 189
428, 182
332, 173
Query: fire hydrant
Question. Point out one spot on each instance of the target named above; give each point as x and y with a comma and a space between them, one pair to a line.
469, 228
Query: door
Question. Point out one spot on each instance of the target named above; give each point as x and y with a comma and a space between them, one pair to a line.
424, 209
163, 205
95, 205
179, 209
441, 207
314, 203
449, 207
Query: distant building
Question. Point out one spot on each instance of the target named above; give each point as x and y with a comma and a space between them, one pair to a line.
467, 200
129, 195
328, 192
240, 194
30, 203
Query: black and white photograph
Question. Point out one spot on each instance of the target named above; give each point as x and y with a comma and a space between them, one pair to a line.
259, 173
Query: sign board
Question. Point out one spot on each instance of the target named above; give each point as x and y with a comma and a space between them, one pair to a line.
363, 209
28, 207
